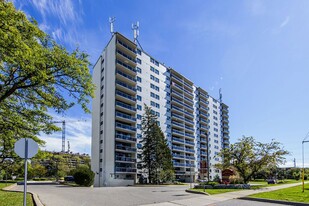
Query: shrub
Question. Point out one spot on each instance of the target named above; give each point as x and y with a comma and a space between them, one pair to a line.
83, 176
217, 179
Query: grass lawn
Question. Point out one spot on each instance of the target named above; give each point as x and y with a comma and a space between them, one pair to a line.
265, 184
293, 194
215, 191
12, 198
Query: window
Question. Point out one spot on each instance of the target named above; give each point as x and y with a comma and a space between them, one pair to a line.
152, 86
154, 95
216, 141
215, 112
154, 78
139, 146
154, 104
216, 118
154, 70
139, 70
139, 52
138, 116
138, 79
215, 123
138, 61
138, 88
139, 126
139, 136
139, 98
139, 107
216, 135
158, 114
214, 106
215, 129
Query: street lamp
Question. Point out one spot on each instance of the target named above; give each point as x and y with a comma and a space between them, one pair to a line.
303, 175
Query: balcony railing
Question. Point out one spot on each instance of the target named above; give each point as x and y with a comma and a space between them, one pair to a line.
177, 93
177, 132
125, 137
190, 150
125, 106
126, 56
180, 80
125, 169
126, 46
189, 128
126, 148
177, 148
124, 126
189, 135
190, 157
189, 142
125, 116
125, 95
126, 76
176, 123
125, 85
125, 159
177, 116
178, 155
179, 164
178, 139
126, 66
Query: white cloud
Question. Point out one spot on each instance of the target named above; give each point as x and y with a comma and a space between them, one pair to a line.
285, 22
78, 133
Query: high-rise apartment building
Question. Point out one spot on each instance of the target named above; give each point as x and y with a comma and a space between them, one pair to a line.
194, 123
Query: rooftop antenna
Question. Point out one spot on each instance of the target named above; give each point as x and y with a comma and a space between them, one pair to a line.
135, 28
69, 146
111, 21
220, 95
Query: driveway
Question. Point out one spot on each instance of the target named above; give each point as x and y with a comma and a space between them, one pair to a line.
58, 195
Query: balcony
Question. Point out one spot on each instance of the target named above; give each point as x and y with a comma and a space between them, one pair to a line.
226, 141
177, 79
190, 150
203, 153
177, 87
125, 117
125, 148
189, 135
124, 159
203, 146
225, 126
226, 137
175, 116
189, 114
126, 58
177, 132
178, 140
125, 107
189, 142
188, 121
178, 156
189, 94
125, 128
177, 109
190, 165
126, 46
125, 87
225, 115
125, 77
204, 102
177, 124
177, 148
178, 164
190, 157
125, 67
225, 131
189, 128
125, 138
125, 169
124, 97
174, 93
188, 101
225, 120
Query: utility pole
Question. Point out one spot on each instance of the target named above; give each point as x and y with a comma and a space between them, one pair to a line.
303, 175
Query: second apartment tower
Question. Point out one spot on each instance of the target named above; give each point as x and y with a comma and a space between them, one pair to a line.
194, 123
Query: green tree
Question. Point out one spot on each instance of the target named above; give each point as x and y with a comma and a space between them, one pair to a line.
36, 75
156, 155
248, 156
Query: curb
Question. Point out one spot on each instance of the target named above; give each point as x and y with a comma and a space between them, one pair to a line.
274, 201
35, 197
197, 192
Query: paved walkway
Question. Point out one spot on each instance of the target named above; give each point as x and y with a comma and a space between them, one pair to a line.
212, 199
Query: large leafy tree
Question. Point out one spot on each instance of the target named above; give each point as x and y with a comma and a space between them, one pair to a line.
36, 76
249, 156
156, 155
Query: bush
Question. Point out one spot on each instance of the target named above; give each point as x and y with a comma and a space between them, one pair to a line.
83, 176
217, 179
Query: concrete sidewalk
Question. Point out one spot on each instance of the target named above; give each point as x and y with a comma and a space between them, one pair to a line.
212, 199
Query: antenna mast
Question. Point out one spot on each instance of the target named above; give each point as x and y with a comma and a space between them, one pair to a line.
135, 28
111, 21
220, 95
68, 146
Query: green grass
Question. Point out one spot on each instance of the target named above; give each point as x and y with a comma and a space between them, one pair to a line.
215, 191
13, 198
293, 194
264, 183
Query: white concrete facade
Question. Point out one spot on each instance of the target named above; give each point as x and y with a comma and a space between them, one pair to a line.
194, 123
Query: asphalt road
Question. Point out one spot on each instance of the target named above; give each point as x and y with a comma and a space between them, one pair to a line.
58, 195
238, 202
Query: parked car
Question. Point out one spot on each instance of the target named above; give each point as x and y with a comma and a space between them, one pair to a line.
271, 181
69, 178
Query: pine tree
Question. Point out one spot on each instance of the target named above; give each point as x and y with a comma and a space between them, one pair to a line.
156, 155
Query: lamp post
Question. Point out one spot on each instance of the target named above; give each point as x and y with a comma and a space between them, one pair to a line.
303, 173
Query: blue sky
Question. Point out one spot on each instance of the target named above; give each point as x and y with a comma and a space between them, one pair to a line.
256, 51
